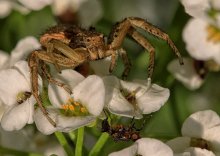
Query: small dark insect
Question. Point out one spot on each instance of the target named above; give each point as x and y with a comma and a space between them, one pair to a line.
68, 46
121, 132
23, 97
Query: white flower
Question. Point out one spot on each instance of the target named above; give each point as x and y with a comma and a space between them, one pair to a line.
23, 6
101, 67
84, 9
4, 58
59, 7
202, 40
35, 4
145, 147
196, 8
199, 130
72, 111
3, 108
207, 10
186, 74
54, 149
23, 48
21, 51
133, 98
15, 93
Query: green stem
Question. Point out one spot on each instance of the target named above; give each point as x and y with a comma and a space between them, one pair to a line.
4, 150
61, 138
175, 110
99, 144
79, 141
72, 136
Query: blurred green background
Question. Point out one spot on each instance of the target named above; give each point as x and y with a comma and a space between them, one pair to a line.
168, 15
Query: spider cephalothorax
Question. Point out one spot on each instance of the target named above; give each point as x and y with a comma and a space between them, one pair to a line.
70, 46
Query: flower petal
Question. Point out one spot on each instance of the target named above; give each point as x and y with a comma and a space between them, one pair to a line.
59, 7
91, 93
67, 124
23, 48
120, 106
185, 74
115, 101
23, 68
196, 8
153, 99
216, 4
198, 45
63, 123
3, 108
101, 67
42, 124
69, 77
35, 5
199, 152
5, 8
58, 95
85, 11
4, 57
212, 135
17, 116
9, 86
179, 144
197, 124
129, 151
147, 146
111, 83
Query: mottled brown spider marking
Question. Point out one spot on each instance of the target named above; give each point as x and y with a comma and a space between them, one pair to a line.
69, 46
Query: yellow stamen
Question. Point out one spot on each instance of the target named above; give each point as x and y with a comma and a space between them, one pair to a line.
71, 100
213, 34
83, 110
76, 103
65, 106
71, 107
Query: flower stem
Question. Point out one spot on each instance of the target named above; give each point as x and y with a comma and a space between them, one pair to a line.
72, 136
79, 141
61, 138
99, 144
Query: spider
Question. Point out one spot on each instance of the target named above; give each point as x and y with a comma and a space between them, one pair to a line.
70, 46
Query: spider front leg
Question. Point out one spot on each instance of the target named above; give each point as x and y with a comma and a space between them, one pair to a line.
143, 41
52, 80
50, 50
113, 61
143, 24
33, 64
126, 61
127, 64
127, 26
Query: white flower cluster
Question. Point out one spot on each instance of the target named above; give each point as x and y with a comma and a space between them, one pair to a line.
90, 95
202, 37
200, 138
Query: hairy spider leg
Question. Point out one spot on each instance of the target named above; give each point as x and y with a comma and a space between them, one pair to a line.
126, 61
52, 80
33, 64
121, 29
138, 22
60, 60
144, 43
